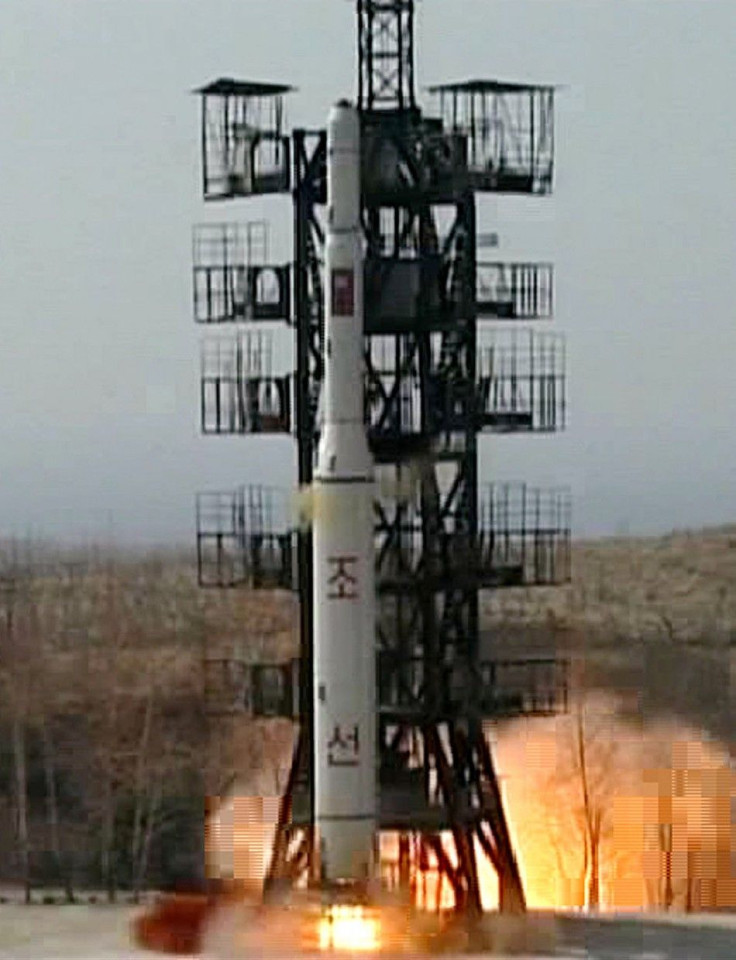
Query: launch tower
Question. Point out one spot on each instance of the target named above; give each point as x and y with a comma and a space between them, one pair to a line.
440, 373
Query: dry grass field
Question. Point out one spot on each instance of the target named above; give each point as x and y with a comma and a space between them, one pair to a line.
120, 720
650, 620
679, 587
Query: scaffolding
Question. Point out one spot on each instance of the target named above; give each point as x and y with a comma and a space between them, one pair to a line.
521, 381
509, 131
233, 278
515, 291
244, 148
245, 538
524, 535
435, 381
239, 391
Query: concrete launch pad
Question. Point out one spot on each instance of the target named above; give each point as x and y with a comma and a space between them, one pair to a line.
102, 933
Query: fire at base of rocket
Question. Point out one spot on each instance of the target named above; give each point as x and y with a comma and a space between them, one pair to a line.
345, 785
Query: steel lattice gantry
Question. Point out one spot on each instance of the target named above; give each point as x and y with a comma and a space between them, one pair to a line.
386, 54
434, 381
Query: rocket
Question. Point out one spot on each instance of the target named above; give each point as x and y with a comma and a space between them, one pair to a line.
344, 659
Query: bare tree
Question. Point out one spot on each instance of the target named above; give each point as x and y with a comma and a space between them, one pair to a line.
21, 793
142, 812
583, 786
15, 644
150, 820
108, 717
100, 676
52, 809
53, 698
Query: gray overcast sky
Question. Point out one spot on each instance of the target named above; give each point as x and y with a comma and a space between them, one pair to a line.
99, 187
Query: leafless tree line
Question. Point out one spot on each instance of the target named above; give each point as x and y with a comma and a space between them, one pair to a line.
103, 724
634, 814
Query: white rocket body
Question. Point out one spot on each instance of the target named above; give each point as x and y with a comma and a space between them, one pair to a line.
345, 771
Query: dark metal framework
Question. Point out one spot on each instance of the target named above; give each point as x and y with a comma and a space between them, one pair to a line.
508, 129
514, 291
244, 148
248, 537
240, 392
234, 279
234, 685
245, 537
524, 535
433, 383
386, 55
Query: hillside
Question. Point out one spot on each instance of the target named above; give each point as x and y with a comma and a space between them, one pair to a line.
680, 587
651, 620
102, 697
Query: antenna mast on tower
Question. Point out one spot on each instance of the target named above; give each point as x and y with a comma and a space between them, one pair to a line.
386, 55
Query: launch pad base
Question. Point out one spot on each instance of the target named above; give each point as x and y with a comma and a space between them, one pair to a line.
308, 925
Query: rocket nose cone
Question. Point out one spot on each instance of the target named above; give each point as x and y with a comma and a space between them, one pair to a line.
343, 123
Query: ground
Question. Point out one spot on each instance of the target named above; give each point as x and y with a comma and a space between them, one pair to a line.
68, 932
101, 932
